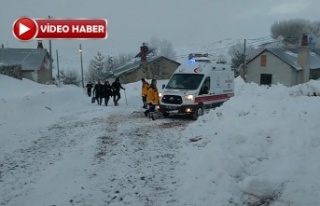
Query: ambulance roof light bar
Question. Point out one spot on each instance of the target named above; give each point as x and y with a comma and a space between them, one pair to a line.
199, 57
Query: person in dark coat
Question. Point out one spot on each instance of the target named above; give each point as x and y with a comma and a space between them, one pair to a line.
89, 88
116, 86
107, 92
98, 92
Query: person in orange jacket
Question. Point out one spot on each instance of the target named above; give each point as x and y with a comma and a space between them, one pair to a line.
144, 92
152, 97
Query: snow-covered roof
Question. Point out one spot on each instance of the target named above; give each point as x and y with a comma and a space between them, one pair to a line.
313, 58
291, 58
314, 61
292, 54
29, 59
130, 66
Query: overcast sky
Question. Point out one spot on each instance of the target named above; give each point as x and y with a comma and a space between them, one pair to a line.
185, 23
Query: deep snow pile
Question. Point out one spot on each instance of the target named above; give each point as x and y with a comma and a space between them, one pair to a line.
57, 148
261, 146
26, 106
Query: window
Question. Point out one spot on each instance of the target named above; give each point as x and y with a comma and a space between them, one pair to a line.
263, 60
185, 81
205, 87
265, 79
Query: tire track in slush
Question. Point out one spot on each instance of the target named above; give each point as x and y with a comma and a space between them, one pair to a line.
20, 170
133, 163
138, 157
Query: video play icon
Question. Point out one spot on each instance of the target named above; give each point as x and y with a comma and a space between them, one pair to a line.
24, 29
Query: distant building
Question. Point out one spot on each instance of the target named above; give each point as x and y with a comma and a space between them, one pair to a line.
287, 67
33, 64
158, 67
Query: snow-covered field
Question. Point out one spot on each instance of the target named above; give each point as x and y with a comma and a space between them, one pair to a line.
56, 148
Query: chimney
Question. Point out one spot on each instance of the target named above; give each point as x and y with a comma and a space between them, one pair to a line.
40, 45
144, 52
303, 59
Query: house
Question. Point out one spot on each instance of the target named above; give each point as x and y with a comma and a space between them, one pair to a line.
158, 67
33, 64
287, 67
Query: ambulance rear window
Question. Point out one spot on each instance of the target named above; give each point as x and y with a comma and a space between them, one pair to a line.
185, 81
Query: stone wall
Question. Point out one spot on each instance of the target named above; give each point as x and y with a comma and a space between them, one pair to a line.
12, 71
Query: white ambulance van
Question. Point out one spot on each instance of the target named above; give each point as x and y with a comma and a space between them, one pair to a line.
197, 85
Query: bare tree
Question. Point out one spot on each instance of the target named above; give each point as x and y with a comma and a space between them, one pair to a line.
291, 30
166, 49
236, 52
162, 47
222, 59
154, 44
122, 58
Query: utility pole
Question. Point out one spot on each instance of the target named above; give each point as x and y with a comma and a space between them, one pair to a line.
50, 52
58, 66
244, 60
80, 51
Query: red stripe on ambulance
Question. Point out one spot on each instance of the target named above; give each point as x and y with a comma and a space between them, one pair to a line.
211, 98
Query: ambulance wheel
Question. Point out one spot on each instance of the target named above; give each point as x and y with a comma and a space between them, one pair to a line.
199, 112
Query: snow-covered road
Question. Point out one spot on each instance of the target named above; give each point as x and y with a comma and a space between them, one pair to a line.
58, 149
115, 159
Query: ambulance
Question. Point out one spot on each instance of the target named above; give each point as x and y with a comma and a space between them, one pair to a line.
197, 85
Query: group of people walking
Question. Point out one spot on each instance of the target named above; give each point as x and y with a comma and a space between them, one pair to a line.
105, 91
150, 93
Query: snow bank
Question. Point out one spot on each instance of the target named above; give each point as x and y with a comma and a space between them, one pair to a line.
262, 145
309, 89
24, 97
22, 100
27, 106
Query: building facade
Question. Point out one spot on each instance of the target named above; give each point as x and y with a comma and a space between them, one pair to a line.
33, 63
157, 67
281, 66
